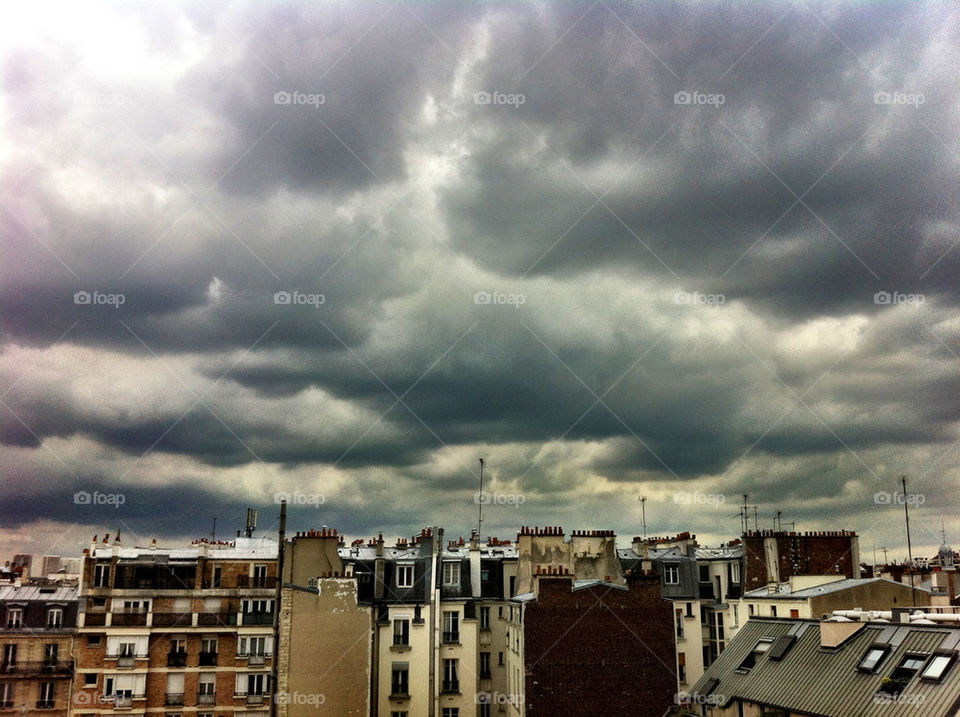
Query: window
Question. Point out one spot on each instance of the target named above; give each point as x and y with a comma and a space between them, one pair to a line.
500, 612
500, 662
14, 618
6, 695
175, 688
451, 675
398, 713
773, 611
682, 667
938, 666
9, 654
93, 640
404, 576
671, 573
47, 691
689, 609
217, 576
451, 712
484, 664
451, 626
101, 576
794, 613
399, 679
90, 679
253, 646
484, 618
704, 573
207, 688
750, 608
209, 645
401, 632
259, 576
736, 616
51, 653
901, 676
872, 659
735, 573
451, 573
679, 622
758, 651
484, 709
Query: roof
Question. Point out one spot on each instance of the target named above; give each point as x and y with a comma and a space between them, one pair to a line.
240, 549
812, 680
33, 592
724, 552
784, 592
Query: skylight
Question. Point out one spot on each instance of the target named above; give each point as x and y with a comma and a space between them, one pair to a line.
871, 661
938, 666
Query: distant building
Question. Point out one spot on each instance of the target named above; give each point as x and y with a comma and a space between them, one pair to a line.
835, 668
813, 596
37, 638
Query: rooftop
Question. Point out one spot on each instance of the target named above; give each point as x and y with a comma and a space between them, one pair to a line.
785, 592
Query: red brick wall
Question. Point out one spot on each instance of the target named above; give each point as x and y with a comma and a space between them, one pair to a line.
799, 554
599, 651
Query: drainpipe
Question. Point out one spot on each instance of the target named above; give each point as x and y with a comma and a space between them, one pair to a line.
275, 672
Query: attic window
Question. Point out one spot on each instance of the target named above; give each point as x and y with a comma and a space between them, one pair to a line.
938, 666
897, 682
871, 661
756, 653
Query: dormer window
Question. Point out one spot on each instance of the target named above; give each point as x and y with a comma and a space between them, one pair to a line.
404, 576
671, 573
871, 661
758, 651
451, 574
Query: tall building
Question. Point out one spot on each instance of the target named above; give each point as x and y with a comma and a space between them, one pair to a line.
37, 637
176, 631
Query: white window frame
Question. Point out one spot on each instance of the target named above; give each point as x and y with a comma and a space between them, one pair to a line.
405, 575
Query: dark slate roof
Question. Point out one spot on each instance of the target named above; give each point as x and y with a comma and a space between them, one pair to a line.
815, 681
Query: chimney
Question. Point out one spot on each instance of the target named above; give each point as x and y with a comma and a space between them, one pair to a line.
380, 545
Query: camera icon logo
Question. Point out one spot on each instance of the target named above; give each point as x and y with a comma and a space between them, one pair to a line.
82, 497
682, 98
482, 498
881, 98
281, 497
282, 98
82, 297
482, 297
882, 498
282, 297
481, 98
882, 298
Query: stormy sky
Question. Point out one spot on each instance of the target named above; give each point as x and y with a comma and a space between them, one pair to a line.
340, 251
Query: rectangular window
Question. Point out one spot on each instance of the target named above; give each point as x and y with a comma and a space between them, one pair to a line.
9, 655
704, 573
401, 632
750, 608
90, 679
217, 576
259, 576
484, 664
902, 675
500, 661
938, 666
451, 573
689, 609
736, 615
451, 712
682, 667
404, 576
759, 650
671, 573
451, 626
101, 576
51, 653
484, 618
399, 679
794, 613
773, 611
47, 691
872, 659
14, 618
679, 621
451, 675
735, 573
93, 640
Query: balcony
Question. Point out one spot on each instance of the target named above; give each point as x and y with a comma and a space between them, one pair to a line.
734, 592
255, 699
451, 637
451, 687
6, 704
706, 592
204, 699
123, 701
44, 704
95, 619
172, 619
246, 581
174, 698
257, 660
177, 659
222, 619
37, 669
208, 659
129, 619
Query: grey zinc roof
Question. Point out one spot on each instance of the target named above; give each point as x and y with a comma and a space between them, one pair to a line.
783, 591
32, 592
815, 681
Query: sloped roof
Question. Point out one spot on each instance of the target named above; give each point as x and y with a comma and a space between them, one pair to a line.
816, 681
784, 592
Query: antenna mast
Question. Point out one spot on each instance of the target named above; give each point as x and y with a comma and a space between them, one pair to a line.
480, 502
906, 514
643, 508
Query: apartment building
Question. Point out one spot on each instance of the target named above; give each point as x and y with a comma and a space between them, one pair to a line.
813, 596
182, 632
37, 637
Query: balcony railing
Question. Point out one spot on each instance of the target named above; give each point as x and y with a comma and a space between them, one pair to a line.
177, 659
129, 619
174, 698
95, 619
217, 618
257, 660
208, 659
257, 618
122, 701
204, 699
44, 704
451, 637
451, 686
255, 699
246, 581
45, 667
6, 704
172, 619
